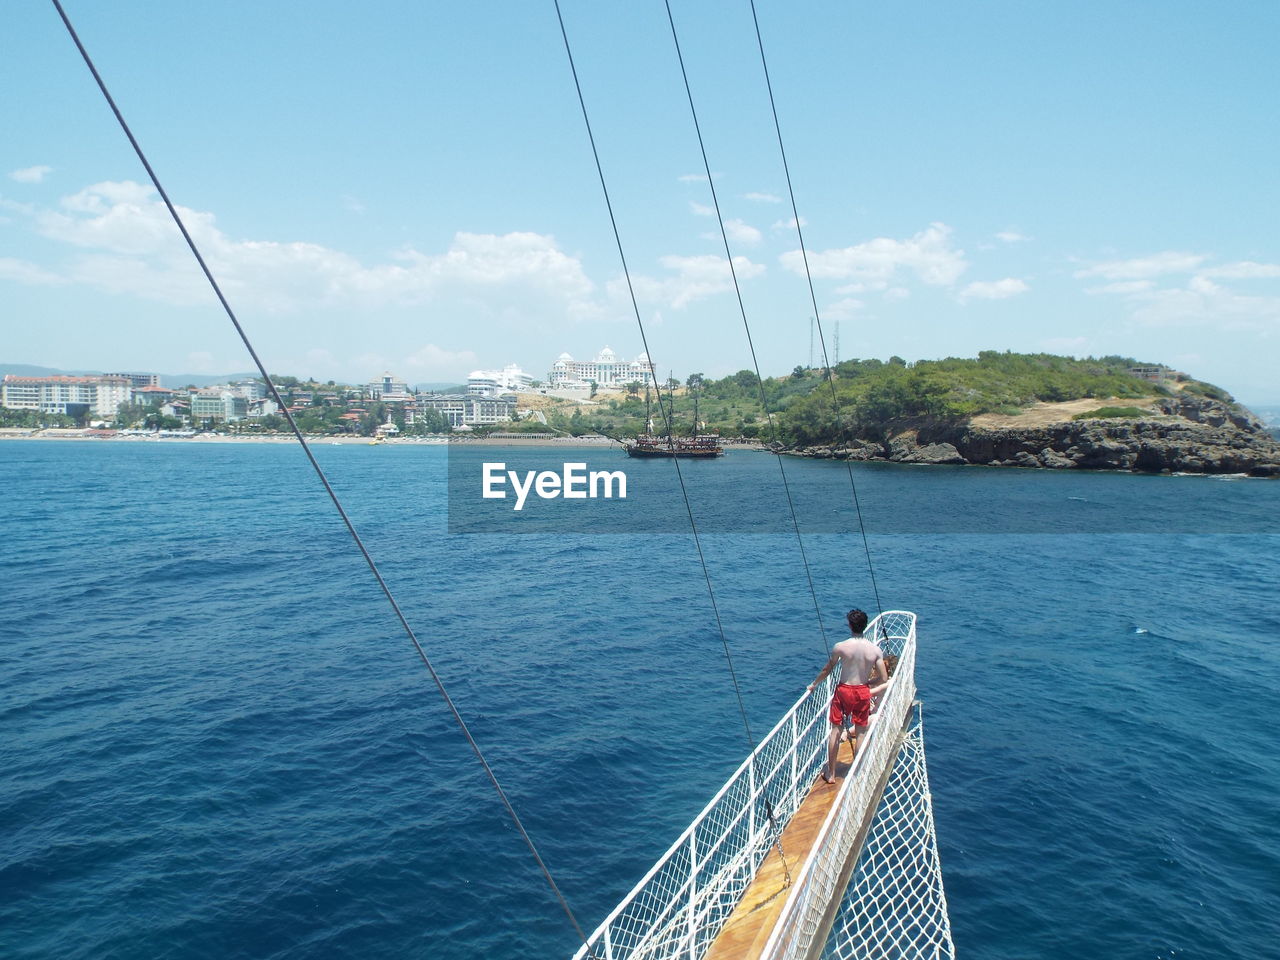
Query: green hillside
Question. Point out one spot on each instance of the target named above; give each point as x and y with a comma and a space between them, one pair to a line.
874, 395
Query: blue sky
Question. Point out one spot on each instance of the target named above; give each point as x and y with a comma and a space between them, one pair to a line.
408, 186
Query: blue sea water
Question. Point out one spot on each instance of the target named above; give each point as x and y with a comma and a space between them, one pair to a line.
216, 742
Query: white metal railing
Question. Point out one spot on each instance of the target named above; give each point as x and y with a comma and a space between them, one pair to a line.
679, 906
817, 884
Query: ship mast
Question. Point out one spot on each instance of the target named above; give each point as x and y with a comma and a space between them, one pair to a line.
695, 409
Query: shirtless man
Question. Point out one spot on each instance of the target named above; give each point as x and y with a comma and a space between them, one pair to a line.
860, 660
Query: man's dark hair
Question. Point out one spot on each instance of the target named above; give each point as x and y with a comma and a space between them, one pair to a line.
857, 621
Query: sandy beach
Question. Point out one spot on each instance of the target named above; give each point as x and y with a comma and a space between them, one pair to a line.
109, 436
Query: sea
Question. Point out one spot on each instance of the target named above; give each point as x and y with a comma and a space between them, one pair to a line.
216, 740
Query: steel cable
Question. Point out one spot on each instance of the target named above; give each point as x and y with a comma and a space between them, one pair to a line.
813, 298
355, 536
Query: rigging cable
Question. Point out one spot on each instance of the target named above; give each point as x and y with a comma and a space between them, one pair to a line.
742, 310
826, 363
373, 567
663, 409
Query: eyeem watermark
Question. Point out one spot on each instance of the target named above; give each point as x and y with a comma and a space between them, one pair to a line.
573, 482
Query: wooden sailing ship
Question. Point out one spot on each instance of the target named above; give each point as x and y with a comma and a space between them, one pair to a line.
701, 446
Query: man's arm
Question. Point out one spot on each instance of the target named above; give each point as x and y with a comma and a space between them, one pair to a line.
822, 675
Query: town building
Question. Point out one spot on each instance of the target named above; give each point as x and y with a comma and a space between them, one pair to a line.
97, 396
262, 407
493, 383
1154, 373
387, 388
606, 370
218, 405
147, 396
250, 388
468, 409
139, 380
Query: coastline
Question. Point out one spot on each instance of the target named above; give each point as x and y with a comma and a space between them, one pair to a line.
1168, 445
98, 436
61, 435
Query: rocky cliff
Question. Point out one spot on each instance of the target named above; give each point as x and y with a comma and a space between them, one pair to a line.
1183, 434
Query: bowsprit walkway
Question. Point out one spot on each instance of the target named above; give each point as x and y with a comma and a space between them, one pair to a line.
725, 891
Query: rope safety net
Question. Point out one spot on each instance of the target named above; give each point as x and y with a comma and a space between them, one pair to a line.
894, 907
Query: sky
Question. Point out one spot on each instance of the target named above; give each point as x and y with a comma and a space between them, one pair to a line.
408, 186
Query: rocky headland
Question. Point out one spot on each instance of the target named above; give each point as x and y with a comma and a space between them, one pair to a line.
1180, 434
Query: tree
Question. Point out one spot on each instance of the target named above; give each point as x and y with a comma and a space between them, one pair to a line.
695, 381
127, 414
797, 373
155, 420
633, 388
594, 387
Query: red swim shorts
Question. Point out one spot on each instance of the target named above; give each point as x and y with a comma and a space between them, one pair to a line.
852, 702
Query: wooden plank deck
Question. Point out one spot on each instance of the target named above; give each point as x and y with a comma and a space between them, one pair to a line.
747, 930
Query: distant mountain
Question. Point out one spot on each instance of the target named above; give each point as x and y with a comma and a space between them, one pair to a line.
183, 379
167, 379
201, 380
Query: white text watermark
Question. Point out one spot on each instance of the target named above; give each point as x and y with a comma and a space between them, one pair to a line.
573, 482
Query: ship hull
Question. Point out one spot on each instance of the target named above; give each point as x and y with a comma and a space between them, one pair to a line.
709, 453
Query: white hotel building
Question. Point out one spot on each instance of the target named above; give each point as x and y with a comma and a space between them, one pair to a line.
494, 383
99, 396
606, 370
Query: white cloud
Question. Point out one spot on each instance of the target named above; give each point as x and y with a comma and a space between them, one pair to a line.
789, 224
432, 358
693, 278
1204, 303
427, 362
129, 245
352, 205
31, 174
871, 286
762, 197
695, 177
701, 209
27, 273
1243, 270
1123, 287
928, 254
1145, 268
843, 309
738, 232
994, 289
875, 286
1199, 301
1011, 236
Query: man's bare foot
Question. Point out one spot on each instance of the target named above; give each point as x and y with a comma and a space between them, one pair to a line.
827, 778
